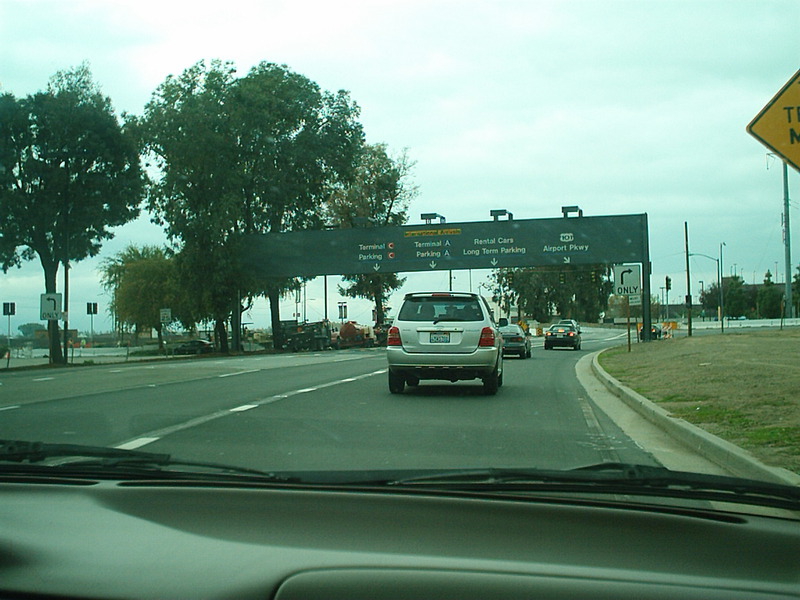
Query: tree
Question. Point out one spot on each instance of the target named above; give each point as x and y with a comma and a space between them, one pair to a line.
239, 156
187, 133
70, 172
377, 196
579, 293
770, 298
142, 281
735, 301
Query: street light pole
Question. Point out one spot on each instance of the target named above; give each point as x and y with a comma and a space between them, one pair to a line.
787, 240
688, 277
721, 293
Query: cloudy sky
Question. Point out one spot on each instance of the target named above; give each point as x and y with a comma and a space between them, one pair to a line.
619, 107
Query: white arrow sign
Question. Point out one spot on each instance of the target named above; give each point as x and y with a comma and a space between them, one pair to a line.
627, 280
50, 307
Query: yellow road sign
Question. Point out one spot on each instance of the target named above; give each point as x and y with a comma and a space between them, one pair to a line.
777, 126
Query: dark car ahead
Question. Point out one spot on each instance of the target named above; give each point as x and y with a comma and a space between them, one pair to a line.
656, 331
194, 347
562, 336
516, 341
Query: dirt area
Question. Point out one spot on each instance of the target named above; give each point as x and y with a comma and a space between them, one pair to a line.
742, 387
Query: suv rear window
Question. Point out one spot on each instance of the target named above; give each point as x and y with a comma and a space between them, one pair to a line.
440, 308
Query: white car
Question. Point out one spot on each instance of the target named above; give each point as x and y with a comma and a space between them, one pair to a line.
444, 335
572, 322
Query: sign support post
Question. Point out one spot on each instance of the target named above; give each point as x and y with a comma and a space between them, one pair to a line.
777, 126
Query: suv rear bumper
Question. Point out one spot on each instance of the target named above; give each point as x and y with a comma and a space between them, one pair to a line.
451, 367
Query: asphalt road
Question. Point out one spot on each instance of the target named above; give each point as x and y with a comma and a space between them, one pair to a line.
326, 410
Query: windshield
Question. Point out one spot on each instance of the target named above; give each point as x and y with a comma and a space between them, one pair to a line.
291, 237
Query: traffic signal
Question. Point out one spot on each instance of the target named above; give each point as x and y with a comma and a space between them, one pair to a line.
593, 276
562, 278
669, 283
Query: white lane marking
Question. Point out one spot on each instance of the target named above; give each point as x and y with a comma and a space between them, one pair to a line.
44, 379
10, 407
115, 371
137, 443
160, 433
239, 373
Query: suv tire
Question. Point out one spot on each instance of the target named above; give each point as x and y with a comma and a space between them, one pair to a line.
491, 383
396, 383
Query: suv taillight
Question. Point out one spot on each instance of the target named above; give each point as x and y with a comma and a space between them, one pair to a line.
487, 337
393, 338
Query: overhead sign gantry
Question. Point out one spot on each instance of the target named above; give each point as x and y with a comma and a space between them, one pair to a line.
431, 247
556, 243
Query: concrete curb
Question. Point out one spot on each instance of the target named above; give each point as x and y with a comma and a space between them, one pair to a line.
723, 453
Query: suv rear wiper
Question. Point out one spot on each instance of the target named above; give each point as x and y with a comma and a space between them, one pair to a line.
620, 478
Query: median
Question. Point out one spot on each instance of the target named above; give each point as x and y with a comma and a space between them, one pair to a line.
741, 387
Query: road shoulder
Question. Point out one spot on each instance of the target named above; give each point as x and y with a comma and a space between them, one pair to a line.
675, 443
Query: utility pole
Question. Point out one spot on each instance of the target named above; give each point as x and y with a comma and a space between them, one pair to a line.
688, 277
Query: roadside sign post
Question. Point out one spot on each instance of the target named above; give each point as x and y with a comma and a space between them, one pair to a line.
165, 316
628, 315
91, 310
777, 126
628, 283
9, 308
50, 307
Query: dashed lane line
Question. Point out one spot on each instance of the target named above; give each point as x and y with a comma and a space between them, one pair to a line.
154, 436
239, 373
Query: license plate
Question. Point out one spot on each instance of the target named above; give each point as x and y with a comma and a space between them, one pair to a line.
440, 338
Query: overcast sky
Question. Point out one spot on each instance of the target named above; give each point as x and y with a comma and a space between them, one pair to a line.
618, 107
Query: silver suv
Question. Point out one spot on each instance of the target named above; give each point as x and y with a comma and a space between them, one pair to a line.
444, 335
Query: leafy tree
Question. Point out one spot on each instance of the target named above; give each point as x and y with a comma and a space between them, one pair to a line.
770, 298
69, 172
579, 293
186, 132
709, 299
236, 156
735, 301
142, 281
377, 196
617, 308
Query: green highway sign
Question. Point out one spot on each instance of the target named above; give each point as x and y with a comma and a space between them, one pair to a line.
477, 245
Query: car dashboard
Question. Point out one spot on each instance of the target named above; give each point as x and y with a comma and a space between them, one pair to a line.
102, 539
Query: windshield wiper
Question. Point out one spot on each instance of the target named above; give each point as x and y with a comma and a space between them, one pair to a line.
35, 452
125, 464
618, 478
